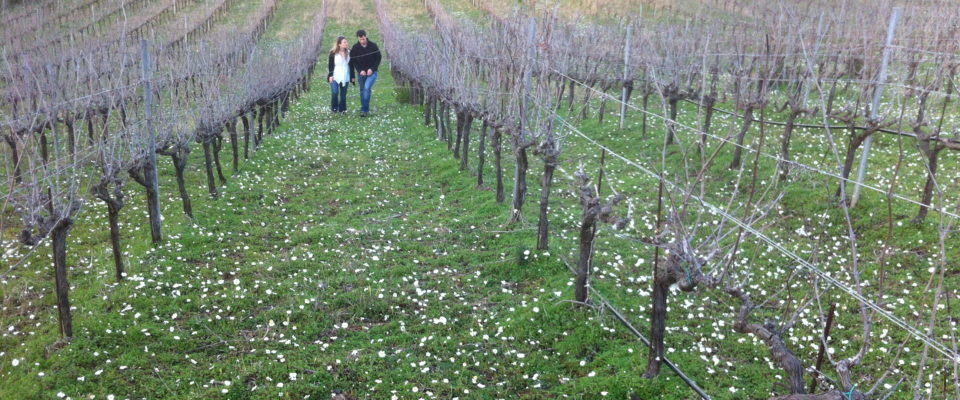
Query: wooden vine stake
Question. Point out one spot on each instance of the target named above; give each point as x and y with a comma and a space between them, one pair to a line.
593, 212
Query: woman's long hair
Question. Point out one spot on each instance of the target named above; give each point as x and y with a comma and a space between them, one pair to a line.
336, 44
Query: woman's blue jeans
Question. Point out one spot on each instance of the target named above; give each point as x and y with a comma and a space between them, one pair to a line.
338, 97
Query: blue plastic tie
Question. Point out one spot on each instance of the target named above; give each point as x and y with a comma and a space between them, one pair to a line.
850, 393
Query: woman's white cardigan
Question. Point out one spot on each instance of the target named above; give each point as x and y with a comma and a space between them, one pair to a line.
341, 69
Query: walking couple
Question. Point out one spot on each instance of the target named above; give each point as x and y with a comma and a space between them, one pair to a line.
344, 66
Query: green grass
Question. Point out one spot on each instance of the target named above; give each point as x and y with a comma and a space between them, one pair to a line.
289, 19
346, 237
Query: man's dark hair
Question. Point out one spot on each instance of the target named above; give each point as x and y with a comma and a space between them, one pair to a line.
361, 33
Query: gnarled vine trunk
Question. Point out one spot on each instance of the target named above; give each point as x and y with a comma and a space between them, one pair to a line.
498, 167
208, 164
738, 151
179, 157
246, 136
519, 181
465, 155
543, 224
481, 153
59, 243
232, 129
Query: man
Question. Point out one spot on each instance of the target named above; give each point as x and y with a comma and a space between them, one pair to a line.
365, 59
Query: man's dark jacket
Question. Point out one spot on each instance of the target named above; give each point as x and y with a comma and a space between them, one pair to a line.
364, 58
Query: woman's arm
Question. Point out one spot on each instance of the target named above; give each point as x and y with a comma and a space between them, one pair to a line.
352, 64
330, 67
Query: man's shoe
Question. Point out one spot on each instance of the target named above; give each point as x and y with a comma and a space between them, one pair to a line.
364, 114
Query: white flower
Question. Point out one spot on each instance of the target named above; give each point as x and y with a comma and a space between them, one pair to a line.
15, 362
293, 376
382, 354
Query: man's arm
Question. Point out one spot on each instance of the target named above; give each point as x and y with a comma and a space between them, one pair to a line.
376, 58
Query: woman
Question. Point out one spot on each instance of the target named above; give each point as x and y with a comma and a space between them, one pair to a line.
339, 74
